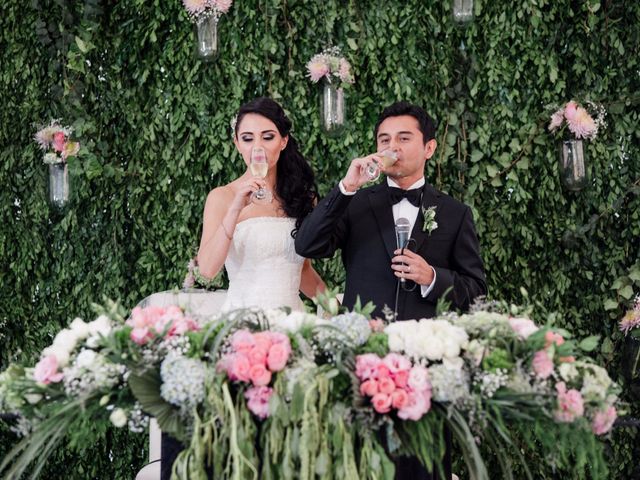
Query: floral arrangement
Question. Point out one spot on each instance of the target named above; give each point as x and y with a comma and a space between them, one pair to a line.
278, 394
55, 141
193, 278
578, 120
631, 320
198, 10
330, 64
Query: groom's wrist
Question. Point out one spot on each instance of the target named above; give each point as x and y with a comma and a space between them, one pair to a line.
347, 188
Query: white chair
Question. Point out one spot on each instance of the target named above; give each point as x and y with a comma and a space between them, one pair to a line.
200, 304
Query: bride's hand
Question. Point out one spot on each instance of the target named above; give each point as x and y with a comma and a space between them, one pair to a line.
242, 197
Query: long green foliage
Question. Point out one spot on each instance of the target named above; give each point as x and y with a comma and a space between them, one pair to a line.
154, 125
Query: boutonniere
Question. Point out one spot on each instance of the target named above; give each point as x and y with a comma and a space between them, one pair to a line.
429, 215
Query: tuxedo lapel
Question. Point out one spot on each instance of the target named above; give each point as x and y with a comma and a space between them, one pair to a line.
379, 201
430, 198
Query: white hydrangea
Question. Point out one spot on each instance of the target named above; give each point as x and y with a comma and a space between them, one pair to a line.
90, 372
448, 384
568, 372
596, 381
182, 381
430, 339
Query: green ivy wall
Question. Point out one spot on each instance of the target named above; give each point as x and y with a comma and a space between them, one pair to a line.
154, 126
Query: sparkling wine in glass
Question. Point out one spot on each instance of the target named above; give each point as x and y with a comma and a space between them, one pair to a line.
389, 157
259, 168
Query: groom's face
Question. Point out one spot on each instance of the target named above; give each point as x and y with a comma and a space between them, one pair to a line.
402, 135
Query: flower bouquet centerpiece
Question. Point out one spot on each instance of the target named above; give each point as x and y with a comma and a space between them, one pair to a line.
576, 124
335, 72
55, 141
278, 394
205, 15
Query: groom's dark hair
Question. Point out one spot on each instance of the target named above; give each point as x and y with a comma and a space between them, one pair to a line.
425, 122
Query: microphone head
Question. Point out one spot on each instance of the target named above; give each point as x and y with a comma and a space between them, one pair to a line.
403, 225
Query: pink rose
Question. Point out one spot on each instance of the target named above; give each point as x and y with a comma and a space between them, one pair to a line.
258, 400
238, 367
369, 388
551, 338
386, 385
46, 370
416, 406
277, 337
278, 356
182, 326
401, 378
381, 403
542, 364
259, 375
395, 362
570, 404
382, 371
367, 365
242, 341
263, 340
258, 354
419, 379
603, 420
58, 141
399, 399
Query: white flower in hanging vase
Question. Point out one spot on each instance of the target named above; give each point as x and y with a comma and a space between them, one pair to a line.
205, 15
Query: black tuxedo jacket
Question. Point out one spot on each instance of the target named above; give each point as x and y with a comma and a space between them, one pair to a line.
362, 226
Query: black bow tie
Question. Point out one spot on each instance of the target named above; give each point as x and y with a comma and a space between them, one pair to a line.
397, 194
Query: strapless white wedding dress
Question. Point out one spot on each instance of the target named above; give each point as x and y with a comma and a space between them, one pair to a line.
263, 266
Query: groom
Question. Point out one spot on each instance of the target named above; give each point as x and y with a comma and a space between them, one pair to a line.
443, 257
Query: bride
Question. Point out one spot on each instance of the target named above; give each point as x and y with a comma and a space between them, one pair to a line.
252, 237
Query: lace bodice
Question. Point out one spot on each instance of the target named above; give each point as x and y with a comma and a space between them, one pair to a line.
263, 266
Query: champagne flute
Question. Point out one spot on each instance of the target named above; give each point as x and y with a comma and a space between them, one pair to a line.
259, 168
389, 157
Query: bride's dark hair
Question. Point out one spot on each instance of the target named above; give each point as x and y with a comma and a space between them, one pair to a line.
295, 183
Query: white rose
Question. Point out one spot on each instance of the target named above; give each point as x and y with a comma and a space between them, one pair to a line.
100, 326
86, 358
118, 417
93, 341
61, 354
65, 339
451, 348
433, 349
454, 364
418, 378
294, 321
80, 328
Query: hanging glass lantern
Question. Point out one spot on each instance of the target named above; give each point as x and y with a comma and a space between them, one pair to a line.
207, 38
332, 108
463, 10
59, 187
573, 169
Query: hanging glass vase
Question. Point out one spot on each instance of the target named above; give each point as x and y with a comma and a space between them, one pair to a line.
207, 38
573, 169
462, 11
59, 187
332, 109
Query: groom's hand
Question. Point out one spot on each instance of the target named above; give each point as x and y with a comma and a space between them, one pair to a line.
412, 267
357, 174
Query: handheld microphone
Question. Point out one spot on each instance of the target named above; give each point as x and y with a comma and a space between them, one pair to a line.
403, 231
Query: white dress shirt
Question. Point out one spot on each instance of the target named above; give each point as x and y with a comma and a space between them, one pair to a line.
406, 209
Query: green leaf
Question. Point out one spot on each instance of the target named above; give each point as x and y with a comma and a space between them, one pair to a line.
589, 344
626, 292
610, 304
352, 44
81, 45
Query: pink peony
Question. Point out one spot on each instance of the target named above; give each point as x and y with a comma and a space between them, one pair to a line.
258, 400
222, 5
396, 362
367, 365
416, 406
542, 364
58, 141
570, 404
318, 68
386, 385
582, 125
381, 403
46, 370
369, 388
603, 420
259, 375
399, 399
556, 120
523, 327
278, 356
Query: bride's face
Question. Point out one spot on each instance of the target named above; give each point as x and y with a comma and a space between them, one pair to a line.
258, 131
